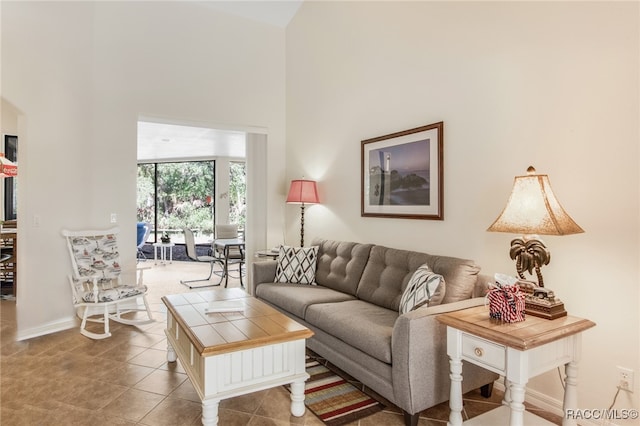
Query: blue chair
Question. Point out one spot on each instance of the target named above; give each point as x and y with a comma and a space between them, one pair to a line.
143, 232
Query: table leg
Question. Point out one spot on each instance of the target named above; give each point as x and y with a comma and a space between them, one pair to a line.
516, 417
170, 254
226, 266
570, 392
210, 412
455, 397
297, 398
506, 400
171, 353
155, 255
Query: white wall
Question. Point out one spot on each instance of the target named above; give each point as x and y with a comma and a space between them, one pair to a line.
554, 85
82, 73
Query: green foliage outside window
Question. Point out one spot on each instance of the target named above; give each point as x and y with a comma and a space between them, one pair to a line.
184, 198
238, 193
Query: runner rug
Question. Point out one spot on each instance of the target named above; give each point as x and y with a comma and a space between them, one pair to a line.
333, 399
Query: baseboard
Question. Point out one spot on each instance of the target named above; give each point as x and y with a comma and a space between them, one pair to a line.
47, 328
545, 402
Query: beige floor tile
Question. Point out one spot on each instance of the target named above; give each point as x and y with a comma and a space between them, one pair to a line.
153, 358
90, 394
161, 382
277, 405
133, 404
245, 403
232, 418
266, 421
123, 352
125, 374
173, 412
146, 340
186, 391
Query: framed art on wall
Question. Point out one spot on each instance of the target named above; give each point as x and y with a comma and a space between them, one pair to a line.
402, 174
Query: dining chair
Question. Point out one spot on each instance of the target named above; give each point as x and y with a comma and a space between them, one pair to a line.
190, 244
142, 235
228, 248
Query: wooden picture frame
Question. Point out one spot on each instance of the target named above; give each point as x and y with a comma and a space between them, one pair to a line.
402, 174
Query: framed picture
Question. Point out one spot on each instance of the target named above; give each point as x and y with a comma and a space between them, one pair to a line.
402, 174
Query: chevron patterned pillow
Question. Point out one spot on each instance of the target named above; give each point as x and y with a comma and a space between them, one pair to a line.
424, 288
297, 265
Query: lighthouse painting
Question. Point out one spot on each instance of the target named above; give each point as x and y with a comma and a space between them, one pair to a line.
402, 174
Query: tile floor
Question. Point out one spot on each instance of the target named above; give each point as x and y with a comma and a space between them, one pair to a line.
65, 378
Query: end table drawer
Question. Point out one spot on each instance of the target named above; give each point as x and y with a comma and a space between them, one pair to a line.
484, 352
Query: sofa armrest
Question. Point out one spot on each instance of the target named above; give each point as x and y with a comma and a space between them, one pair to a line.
420, 366
264, 272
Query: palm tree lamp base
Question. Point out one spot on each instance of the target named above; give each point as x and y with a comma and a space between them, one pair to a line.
530, 254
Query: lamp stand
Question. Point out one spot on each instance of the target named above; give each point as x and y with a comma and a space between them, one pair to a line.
530, 255
302, 225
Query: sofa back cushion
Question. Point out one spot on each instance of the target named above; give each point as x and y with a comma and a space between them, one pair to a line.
340, 264
389, 270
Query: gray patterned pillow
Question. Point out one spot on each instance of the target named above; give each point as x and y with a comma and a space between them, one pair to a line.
297, 265
424, 288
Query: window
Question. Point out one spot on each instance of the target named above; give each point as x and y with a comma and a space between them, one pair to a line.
173, 196
238, 193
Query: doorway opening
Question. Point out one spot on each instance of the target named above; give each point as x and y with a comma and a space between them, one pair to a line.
190, 177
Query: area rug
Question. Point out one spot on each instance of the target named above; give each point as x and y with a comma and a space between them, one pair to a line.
333, 399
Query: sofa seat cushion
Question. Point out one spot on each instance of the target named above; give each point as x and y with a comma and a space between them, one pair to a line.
363, 325
296, 298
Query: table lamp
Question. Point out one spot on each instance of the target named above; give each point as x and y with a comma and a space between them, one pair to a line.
533, 209
302, 192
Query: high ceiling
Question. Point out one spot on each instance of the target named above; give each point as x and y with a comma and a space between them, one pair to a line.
277, 13
164, 142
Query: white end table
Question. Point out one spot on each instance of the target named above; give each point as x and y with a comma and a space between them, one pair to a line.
163, 248
517, 351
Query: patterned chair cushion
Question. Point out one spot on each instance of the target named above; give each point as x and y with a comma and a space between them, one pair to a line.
96, 256
108, 291
424, 288
297, 265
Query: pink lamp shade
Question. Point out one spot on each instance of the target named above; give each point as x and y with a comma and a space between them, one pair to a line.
303, 192
7, 168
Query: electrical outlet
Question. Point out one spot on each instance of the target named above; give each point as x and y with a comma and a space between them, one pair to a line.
114, 218
625, 379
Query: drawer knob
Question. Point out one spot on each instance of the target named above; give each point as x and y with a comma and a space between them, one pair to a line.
478, 351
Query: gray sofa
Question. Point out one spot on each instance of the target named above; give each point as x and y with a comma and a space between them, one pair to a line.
353, 311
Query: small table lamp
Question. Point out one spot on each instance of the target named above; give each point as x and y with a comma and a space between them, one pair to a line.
533, 209
302, 192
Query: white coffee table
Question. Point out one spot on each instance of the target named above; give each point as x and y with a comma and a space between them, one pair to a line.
235, 353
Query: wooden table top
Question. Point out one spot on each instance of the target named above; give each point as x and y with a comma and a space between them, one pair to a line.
523, 335
258, 324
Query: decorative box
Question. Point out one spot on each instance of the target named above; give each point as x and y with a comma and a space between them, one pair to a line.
506, 301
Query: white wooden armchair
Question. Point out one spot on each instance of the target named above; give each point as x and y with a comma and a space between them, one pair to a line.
96, 283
